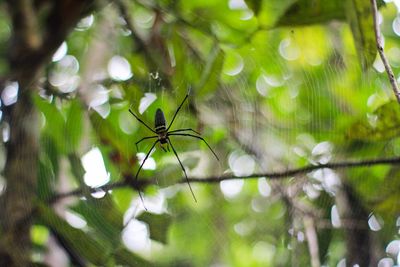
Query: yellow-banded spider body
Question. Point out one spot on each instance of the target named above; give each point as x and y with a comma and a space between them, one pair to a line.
162, 134
160, 126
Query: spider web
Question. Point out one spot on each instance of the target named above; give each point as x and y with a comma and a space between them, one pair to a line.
289, 116
279, 121
274, 119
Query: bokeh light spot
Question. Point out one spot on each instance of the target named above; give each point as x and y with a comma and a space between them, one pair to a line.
146, 101
85, 23
61, 52
10, 93
231, 188
335, 218
288, 50
119, 68
233, 64
150, 163
75, 220
96, 174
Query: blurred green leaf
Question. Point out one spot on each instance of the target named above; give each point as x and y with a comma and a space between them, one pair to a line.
108, 131
357, 13
55, 122
122, 198
387, 199
46, 179
186, 71
272, 11
74, 125
191, 162
158, 225
212, 71
48, 168
102, 215
170, 175
82, 243
125, 258
254, 5
98, 253
50, 150
77, 169
359, 16
324, 202
304, 12
383, 124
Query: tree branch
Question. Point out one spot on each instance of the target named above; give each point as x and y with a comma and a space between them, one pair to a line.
35, 38
25, 26
217, 179
312, 240
359, 243
379, 44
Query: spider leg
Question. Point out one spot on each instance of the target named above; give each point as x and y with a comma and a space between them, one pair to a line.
148, 127
144, 138
198, 137
163, 148
184, 130
183, 168
176, 112
141, 165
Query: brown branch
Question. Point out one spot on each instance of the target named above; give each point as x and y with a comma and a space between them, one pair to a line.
35, 37
80, 191
379, 44
25, 24
359, 241
25, 39
312, 240
217, 179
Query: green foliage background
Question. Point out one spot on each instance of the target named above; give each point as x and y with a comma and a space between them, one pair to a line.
275, 81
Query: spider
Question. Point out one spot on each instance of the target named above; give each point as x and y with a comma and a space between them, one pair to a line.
162, 134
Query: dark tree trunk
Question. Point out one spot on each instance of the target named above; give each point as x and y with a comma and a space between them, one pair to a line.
354, 216
20, 173
35, 37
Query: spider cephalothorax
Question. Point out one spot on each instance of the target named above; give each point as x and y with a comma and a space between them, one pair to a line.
162, 134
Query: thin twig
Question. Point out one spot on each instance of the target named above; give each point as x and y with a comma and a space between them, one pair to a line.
379, 44
80, 191
217, 179
299, 171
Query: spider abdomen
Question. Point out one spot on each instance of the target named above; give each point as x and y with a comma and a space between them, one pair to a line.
159, 121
